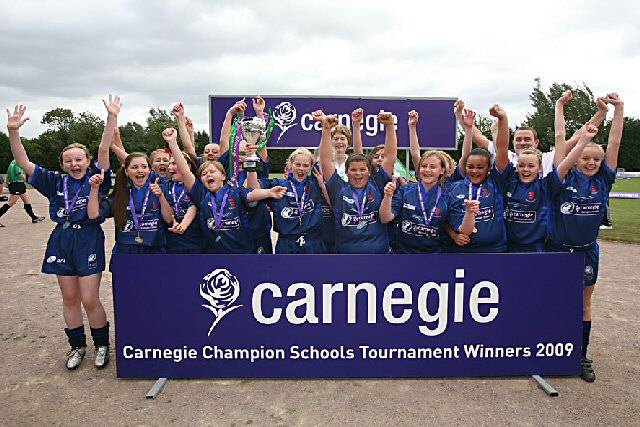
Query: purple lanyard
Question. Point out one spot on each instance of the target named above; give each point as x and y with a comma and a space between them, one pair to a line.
360, 207
217, 215
68, 207
176, 203
299, 202
427, 221
477, 192
132, 207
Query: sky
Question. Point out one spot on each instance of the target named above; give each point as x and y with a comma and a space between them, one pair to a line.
154, 53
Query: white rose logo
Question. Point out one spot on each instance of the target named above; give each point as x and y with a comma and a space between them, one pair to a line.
284, 115
220, 289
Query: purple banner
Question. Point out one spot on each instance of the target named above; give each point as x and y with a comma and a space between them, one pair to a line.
294, 126
364, 316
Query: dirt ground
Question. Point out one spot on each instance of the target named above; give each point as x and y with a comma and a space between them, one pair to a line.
36, 389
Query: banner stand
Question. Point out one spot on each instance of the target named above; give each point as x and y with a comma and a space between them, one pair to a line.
544, 385
156, 388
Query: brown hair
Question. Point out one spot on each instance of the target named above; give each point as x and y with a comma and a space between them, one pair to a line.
373, 151
482, 153
156, 152
120, 194
75, 145
444, 162
216, 164
535, 134
343, 130
358, 158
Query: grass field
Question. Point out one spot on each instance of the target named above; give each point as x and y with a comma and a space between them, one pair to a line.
625, 214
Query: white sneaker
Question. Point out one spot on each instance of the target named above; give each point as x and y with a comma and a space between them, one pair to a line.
102, 356
75, 356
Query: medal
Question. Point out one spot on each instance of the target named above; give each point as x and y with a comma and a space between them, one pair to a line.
477, 192
176, 202
217, 214
475, 230
427, 220
360, 207
69, 205
299, 202
137, 218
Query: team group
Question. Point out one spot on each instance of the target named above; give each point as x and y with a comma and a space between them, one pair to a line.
173, 201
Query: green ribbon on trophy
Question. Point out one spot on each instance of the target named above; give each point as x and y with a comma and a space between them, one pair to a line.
267, 134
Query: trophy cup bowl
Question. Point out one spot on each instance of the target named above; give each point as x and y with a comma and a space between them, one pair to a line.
252, 129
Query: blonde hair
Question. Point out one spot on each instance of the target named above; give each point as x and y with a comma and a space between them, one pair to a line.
445, 162
216, 164
533, 151
72, 146
596, 145
300, 151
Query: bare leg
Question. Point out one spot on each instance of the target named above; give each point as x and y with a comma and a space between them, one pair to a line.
71, 308
90, 294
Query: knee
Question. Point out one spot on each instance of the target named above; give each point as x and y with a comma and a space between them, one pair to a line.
71, 300
90, 302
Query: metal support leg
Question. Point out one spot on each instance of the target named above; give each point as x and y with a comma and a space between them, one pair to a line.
548, 388
156, 389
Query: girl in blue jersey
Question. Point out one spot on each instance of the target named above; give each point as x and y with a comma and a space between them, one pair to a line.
184, 236
422, 207
579, 196
75, 250
222, 207
298, 215
356, 203
481, 184
138, 208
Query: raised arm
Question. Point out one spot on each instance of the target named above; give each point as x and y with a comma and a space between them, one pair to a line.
468, 119
414, 143
14, 121
567, 163
597, 119
252, 181
390, 141
559, 124
188, 179
502, 138
113, 106
615, 133
183, 131
118, 147
356, 121
259, 105
327, 161
386, 214
225, 132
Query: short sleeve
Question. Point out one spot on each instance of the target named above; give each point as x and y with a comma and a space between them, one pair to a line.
44, 181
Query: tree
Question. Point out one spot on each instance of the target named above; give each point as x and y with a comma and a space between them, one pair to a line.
58, 118
577, 111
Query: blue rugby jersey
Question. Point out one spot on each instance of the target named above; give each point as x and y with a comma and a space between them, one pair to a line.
578, 205
527, 207
192, 238
491, 235
234, 234
359, 234
286, 214
415, 235
51, 185
152, 230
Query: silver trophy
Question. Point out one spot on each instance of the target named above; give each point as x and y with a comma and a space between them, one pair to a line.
252, 129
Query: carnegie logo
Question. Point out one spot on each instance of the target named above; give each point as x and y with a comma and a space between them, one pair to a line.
284, 114
220, 289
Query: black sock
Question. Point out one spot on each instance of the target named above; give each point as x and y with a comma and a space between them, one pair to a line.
76, 336
100, 336
586, 332
29, 209
4, 209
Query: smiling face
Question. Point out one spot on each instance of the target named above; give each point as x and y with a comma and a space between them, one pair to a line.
138, 171
524, 138
176, 176
340, 142
212, 177
591, 159
378, 158
301, 166
431, 169
160, 163
211, 152
477, 168
358, 173
529, 167
75, 162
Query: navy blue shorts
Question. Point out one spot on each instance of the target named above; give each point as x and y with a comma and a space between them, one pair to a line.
302, 244
591, 258
518, 248
120, 248
75, 251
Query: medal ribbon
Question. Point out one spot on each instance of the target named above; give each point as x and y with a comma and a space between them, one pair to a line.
299, 202
477, 192
176, 203
68, 206
132, 207
360, 207
217, 215
427, 220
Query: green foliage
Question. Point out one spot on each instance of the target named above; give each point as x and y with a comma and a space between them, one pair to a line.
629, 156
